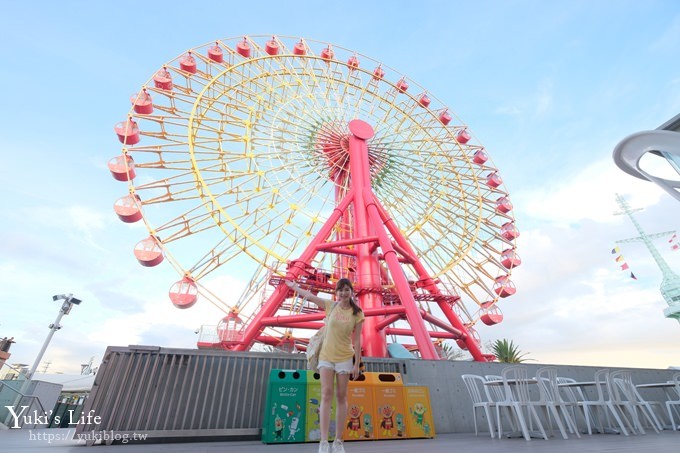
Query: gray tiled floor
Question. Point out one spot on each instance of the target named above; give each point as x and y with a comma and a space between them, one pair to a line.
25, 441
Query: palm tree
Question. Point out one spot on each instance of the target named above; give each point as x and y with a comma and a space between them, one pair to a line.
506, 351
451, 353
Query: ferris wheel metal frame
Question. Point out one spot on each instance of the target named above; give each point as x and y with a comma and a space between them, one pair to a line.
316, 168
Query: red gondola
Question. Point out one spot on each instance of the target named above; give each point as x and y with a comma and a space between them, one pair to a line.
188, 63
327, 53
216, 54
510, 258
272, 47
148, 252
230, 328
480, 157
493, 180
127, 131
503, 205
163, 79
509, 231
491, 314
504, 287
122, 168
300, 48
243, 48
128, 208
141, 103
183, 293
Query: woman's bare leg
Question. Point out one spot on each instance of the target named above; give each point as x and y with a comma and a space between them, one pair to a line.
327, 378
341, 404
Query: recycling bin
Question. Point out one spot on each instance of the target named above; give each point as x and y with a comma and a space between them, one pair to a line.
361, 408
313, 423
390, 421
284, 411
420, 422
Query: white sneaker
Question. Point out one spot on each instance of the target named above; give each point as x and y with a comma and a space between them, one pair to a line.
337, 446
323, 447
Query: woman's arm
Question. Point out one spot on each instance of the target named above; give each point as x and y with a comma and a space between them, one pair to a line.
308, 295
356, 344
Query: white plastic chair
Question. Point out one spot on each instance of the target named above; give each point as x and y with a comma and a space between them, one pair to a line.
497, 394
552, 401
634, 402
674, 402
604, 403
572, 396
516, 386
481, 399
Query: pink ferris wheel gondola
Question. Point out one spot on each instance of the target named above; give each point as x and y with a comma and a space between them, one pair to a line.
184, 293
510, 258
491, 314
128, 208
244, 156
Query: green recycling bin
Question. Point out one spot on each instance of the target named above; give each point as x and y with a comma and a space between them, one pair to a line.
284, 411
313, 428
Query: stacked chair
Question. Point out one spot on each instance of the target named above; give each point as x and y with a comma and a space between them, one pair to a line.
604, 406
626, 396
552, 402
673, 403
481, 399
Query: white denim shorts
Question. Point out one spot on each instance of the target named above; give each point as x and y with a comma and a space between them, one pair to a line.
339, 367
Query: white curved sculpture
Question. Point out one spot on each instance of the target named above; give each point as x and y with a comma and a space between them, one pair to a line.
629, 151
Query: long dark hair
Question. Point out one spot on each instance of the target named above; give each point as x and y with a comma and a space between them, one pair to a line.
343, 282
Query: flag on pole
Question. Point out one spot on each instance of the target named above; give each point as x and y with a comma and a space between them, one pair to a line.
632, 275
624, 266
675, 246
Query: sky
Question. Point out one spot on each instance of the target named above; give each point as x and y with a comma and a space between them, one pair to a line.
549, 88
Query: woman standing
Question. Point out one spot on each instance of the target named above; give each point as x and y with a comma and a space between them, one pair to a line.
339, 357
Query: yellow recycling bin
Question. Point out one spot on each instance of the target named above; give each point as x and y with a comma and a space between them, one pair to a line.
420, 423
390, 421
361, 408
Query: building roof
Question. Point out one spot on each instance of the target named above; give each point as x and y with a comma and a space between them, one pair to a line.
71, 382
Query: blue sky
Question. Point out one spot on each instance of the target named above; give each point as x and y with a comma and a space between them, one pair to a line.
549, 88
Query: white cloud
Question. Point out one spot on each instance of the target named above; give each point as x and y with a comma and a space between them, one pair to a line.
544, 98
510, 110
588, 195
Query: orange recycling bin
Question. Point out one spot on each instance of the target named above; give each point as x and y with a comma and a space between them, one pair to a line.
313, 431
361, 408
390, 421
420, 423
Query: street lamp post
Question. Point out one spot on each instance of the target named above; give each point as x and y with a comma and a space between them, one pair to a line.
69, 302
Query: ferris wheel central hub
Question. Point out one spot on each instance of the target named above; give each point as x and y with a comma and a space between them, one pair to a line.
361, 129
332, 142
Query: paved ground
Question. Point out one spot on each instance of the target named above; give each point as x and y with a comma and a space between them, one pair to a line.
61, 441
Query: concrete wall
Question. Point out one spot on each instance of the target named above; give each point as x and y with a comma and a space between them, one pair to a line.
451, 404
192, 393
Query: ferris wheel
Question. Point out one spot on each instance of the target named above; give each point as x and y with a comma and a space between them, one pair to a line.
296, 159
